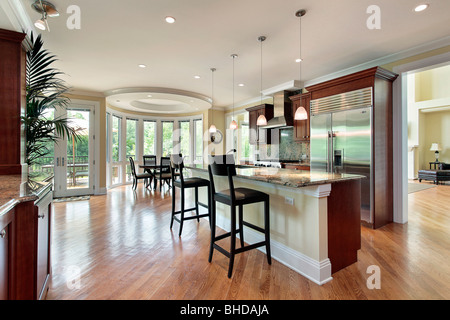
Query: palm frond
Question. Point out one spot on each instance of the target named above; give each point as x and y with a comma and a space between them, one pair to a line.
44, 91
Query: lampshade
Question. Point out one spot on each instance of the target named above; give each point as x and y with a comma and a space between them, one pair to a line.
301, 114
40, 24
212, 129
435, 147
262, 121
233, 125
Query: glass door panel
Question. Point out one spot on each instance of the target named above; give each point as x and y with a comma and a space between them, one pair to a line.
74, 157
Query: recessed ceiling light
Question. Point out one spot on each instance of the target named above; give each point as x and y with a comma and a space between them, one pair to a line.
240, 84
298, 60
170, 19
142, 66
197, 77
421, 7
149, 96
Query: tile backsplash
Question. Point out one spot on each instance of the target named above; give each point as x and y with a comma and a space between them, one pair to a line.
288, 149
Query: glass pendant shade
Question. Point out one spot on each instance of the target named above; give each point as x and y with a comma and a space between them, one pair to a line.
40, 24
262, 121
233, 125
212, 129
301, 114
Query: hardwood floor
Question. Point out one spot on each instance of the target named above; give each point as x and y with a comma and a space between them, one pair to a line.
120, 247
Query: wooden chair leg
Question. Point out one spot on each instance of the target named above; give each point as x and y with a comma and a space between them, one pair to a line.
241, 225
182, 212
267, 230
233, 240
173, 208
212, 215
196, 203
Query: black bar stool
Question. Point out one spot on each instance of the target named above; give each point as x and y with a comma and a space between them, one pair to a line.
176, 164
224, 166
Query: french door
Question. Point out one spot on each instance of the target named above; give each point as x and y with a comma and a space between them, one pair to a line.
74, 158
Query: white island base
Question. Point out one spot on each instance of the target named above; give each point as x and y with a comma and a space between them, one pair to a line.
315, 229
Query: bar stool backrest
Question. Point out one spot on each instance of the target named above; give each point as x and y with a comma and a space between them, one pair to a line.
177, 164
222, 165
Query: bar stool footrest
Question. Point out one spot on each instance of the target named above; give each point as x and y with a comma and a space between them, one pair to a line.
253, 226
222, 236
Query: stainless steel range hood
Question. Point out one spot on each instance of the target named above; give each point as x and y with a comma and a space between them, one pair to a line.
282, 106
282, 112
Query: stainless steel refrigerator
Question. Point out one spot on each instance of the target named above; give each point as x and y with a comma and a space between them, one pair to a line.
341, 140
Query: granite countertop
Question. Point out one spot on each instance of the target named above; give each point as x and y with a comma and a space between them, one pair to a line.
15, 189
285, 177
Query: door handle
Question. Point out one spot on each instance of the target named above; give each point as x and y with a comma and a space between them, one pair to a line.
57, 162
62, 161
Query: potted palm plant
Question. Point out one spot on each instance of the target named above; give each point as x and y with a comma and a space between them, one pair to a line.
44, 92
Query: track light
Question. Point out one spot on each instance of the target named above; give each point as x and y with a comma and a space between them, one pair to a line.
46, 9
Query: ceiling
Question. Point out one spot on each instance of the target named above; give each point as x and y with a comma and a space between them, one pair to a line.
102, 57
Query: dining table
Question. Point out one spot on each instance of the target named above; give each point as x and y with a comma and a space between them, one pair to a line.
149, 167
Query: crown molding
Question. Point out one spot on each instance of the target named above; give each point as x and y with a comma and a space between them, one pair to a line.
17, 15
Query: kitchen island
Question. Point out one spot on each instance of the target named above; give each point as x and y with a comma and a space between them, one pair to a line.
314, 216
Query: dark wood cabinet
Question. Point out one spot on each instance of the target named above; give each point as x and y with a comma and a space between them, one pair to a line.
295, 166
256, 134
25, 249
12, 95
301, 127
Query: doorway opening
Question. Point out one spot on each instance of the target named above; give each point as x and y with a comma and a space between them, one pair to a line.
404, 147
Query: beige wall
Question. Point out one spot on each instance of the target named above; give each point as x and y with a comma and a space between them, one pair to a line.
433, 84
435, 128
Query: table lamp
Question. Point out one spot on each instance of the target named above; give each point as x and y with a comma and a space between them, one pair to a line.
436, 148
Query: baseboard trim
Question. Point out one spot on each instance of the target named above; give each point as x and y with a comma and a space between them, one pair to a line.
317, 271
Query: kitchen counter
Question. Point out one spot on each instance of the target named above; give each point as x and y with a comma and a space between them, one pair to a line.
284, 177
315, 226
15, 189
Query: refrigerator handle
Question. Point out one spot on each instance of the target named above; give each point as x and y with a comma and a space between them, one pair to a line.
330, 152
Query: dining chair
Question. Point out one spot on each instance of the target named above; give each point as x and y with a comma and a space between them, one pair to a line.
163, 175
150, 160
138, 176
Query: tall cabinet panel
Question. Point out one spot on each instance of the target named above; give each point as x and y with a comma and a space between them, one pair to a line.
380, 80
12, 62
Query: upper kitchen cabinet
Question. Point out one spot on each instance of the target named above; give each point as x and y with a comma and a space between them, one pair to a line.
12, 100
256, 134
301, 127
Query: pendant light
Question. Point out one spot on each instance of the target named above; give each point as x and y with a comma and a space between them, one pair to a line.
212, 128
300, 113
233, 124
261, 121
